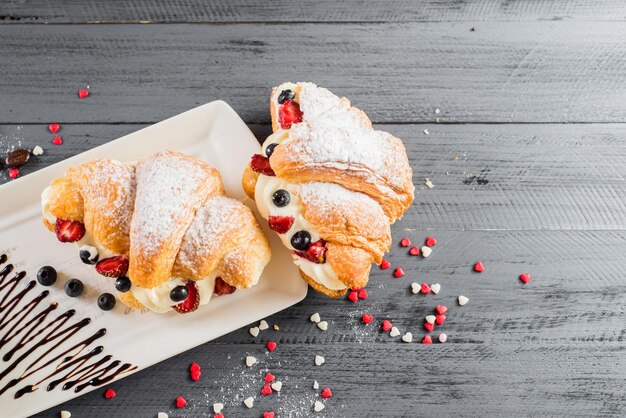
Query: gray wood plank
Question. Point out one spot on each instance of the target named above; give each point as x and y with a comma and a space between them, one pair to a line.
398, 73
553, 347
224, 11
508, 176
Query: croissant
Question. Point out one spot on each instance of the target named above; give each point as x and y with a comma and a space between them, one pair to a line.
330, 185
162, 226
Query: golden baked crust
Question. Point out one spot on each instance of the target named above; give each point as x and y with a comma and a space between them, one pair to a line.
248, 181
335, 294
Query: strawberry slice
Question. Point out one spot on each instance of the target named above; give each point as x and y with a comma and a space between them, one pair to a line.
69, 231
261, 164
193, 299
222, 288
316, 253
113, 266
289, 113
280, 224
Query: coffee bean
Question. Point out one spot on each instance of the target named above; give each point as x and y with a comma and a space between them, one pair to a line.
17, 158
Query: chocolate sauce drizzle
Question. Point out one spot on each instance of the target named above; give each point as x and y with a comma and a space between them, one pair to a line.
74, 369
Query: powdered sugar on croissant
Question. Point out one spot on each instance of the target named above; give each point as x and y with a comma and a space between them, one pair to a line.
346, 182
166, 220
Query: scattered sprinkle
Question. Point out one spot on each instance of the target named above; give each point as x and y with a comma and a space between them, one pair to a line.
277, 386
272, 345
440, 319
54, 128
217, 407
316, 385
37, 150
405, 242
429, 327
276, 327
473, 29
249, 402
429, 183
427, 340
394, 332
180, 402
353, 296
315, 318
109, 394
269, 378
441, 309
463, 300
524, 277
435, 288
82, 93
363, 294
431, 241
159, 415
57, 140
250, 361
398, 272
254, 331
263, 325
437, 111
323, 325
318, 406
430, 319
415, 250
385, 264
443, 338
479, 267
407, 338
426, 251
326, 393
267, 390
426, 132
319, 360
67, 414
415, 288
14, 172
425, 289
386, 325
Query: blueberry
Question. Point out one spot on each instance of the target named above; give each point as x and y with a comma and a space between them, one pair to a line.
301, 240
281, 198
74, 288
88, 254
286, 95
122, 284
179, 293
269, 150
106, 301
47, 276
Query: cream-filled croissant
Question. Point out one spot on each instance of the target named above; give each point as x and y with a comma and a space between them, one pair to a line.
329, 185
161, 226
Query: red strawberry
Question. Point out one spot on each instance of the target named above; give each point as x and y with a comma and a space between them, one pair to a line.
405, 242
415, 250
427, 340
267, 390
271, 346
385, 264
269, 378
69, 231
261, 164
110, 393
353, 296
193, 299
268, 414
222, 288
425, 289
57, 140
54, 128
429, 327
440, 319
280, 224
14, 172
326, 393
397, 273
441, 309
316, 253
479, 267
113, 266
363, 294
289, 113
524, 277
431, 241
82, 93
386, 325
367, 318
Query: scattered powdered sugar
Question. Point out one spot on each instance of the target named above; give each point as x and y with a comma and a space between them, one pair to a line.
316, 100
331, 197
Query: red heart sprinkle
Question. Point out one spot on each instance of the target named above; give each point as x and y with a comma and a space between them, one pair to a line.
57, 140
218, 416
267, 390
326, 393
440, 319
479, 267
195, 376
109, 393
271, 345
367, 318
353, 296
363, 294
427, 340
54, 127
524, 277
269, 378
431, 241
385, 264
430, 327
82, 93
386, 325
415, 250
180, 402
268, 414
405, 242
425, 288
398, 272
14, 172
195, 367
441, 309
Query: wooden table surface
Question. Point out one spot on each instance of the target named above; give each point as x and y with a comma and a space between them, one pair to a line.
528, 161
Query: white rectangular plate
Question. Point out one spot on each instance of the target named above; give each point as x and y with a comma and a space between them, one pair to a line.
212, 132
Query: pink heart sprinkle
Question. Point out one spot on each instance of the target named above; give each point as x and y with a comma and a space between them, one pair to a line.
425, 288
14, 172
57, 140
405, 242
427, 340
266, 389
110, 393
398, 272
363, 294
367, 318
440, 319
414, 250
479, 267
353, 296
326, 393
82, 93
524, 277
431, 241
385, 264
269, 378
54, 128
441, 309
429, 327
386, 325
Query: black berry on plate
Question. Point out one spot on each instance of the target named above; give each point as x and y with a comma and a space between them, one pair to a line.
106, 301
74, 288
286, 95
47, 276
281, 198
88, 254
179, 293
301, 240
269, 150
122, 284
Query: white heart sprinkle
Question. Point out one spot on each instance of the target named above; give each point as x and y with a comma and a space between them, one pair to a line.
249, 402
426, 251
250, 361
38, 151
263, 325
322, 325
463, 300
394, 332
443, 338
217, 407
319, 360
415, 288
407, 338
315, 318
435, 288
316, 385
277, 386
425, 131
66, 414
254, 331
318, 406
430, 319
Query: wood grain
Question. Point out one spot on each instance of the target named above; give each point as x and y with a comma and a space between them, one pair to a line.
398, 73
225, 11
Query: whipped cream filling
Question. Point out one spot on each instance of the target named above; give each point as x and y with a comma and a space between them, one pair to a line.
265, 188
